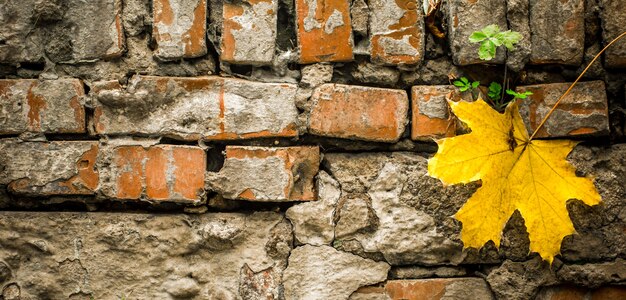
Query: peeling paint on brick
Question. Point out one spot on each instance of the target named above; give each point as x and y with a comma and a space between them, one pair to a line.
324, 31
179, 28
431, 116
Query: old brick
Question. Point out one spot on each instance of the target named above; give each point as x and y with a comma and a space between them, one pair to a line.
179, 28
267, 174
48, 168
357, 112
324, 31
212, 108
457, 288
465, 17
397, 32
431, 115
249, 31
568, 292
51, 106
162, 172
66, 31
583, 112
558, 31
613, 17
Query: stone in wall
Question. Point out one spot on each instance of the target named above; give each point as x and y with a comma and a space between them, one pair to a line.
613, 16
179, 28
249, 31
558, 31
397, 32
357, 112
324, 273
49, 106
267, 174
584, 111
155, 173
61, 255
49, 168
466, 16
324, 31
457, 288
168, 106
571, 292
432, 118
61, 31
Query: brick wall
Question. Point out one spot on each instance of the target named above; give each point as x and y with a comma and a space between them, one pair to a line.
277, 149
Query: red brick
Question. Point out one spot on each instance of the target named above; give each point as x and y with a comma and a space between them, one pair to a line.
396, 38
267, 174
179, 28
249, 31
49, 168
427, 289
324, 31
583, 112
51, 106
169, 106
568, 292
163, 172
431, 114
356, 112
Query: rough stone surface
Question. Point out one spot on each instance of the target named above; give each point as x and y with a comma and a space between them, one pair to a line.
313, 222
61, 31
396, 32
62, 255
267, 174
613, 18
359, 13
412, 212
370, 73
249, 31
459, 288
466, 16
431, 117
517, 12
324, 31
49, 106
577, 293
179, 28
48, 168
520, 280
162, 172
330, 274
355, 112
168, 106
584, 111
558, 34
594, 275
417, 272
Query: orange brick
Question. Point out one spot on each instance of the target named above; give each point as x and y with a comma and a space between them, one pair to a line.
583, 112
357, 112
324, 31
568, 292
164, 172
179, 28
267, 174
427, 289
397, 32
431, 114
49, 168
50, 106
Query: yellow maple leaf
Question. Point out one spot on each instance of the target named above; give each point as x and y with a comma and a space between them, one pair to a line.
517, 173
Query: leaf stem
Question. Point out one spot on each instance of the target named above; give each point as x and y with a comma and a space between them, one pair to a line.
574, 83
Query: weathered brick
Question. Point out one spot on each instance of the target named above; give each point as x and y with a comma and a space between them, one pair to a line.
249, 31
558, 31
358, 112
568, 292
70, 31
267, 174
465, 17
397, 32
324, 31
212, 108
613, 17
162, 172
583, 112
48, 168
179, 28
50, 106
448, 288
431, 114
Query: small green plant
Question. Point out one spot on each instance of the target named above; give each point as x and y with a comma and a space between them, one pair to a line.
490, 38
495, 91
522, 95
464, 84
